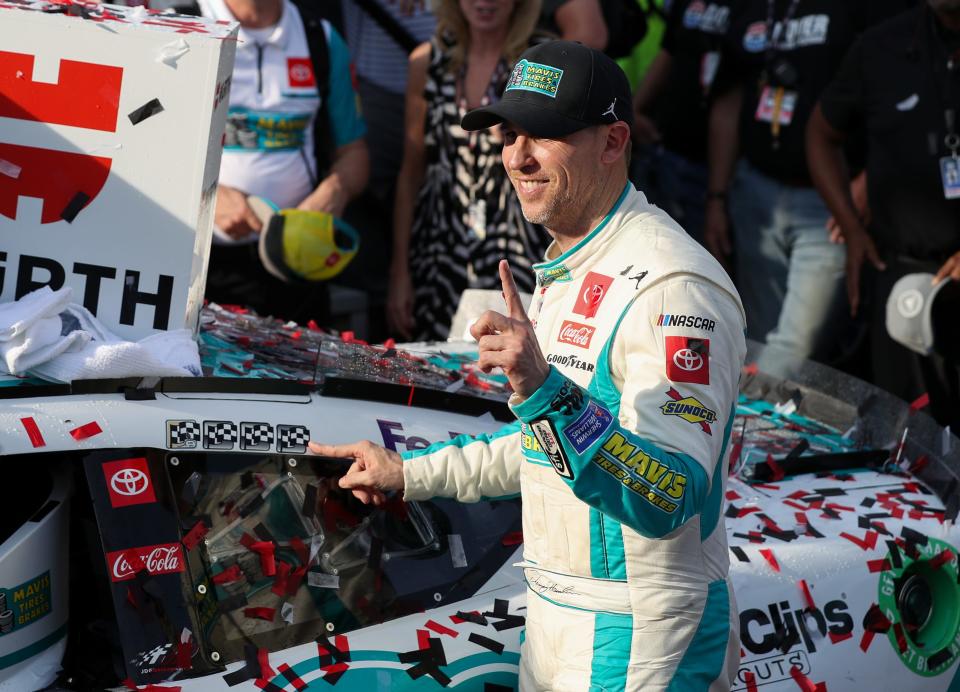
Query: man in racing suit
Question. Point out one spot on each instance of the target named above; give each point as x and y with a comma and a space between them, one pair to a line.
625, 375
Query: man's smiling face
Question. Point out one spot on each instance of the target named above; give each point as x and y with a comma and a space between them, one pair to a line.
554, 178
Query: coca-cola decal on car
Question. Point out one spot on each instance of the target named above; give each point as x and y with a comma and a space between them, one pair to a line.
576, 334
165, 558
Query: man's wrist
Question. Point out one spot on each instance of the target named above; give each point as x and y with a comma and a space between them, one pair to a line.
538, 402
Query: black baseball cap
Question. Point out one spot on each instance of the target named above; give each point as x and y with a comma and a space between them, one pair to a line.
557, 88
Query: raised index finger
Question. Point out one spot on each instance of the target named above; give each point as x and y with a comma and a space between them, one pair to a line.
336, 451
511, 295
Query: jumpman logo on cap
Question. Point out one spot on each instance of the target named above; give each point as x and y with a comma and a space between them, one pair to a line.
611, 109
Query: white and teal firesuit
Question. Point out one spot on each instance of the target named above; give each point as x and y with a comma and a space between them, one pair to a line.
620, 458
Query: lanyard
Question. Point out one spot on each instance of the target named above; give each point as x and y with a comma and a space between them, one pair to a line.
945, 72
951, 139
773, 43
477, 205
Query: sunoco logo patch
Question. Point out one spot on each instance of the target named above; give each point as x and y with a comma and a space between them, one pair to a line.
689, 409
532, 76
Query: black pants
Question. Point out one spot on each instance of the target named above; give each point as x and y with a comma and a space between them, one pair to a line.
236, 277
903, 372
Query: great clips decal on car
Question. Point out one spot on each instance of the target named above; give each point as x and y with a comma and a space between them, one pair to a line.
688, 360
592, 292
165, 558
86, 95
129, 482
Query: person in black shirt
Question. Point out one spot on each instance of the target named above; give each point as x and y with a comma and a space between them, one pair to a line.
778, 57
670, 110
575, 20
901, 84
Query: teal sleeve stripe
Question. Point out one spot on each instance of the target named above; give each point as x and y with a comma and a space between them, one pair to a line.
703, 660
714, 504
345, 120
538, 404
612, 639
461, 441
631, 479
637, 483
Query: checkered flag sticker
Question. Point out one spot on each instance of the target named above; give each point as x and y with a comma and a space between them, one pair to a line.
182, 434
152, 657
219, 434
292, 439
256, 437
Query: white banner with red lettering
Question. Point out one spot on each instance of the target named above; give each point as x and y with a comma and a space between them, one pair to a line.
111, 127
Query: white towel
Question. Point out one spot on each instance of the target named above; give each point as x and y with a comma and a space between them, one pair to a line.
31, 331
44, 335
17, 316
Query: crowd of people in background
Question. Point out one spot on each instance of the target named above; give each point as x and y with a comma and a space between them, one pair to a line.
812, 146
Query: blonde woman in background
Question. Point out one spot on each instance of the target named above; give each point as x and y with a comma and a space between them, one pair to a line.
455, 215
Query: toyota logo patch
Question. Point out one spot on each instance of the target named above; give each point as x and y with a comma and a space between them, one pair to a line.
128, 482
688, 359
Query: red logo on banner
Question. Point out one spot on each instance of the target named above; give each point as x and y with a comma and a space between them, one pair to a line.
86, 95
688, 360
592, 291
165, 558
576, 334
128, 482
300, 72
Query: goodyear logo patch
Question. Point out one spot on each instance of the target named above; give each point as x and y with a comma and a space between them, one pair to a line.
689, 409
532, 76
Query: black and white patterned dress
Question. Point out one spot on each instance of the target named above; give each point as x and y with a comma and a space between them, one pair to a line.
467, 216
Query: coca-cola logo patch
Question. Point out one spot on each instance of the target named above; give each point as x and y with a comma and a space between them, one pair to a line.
129, 482
576, 334
166, 558
592, 292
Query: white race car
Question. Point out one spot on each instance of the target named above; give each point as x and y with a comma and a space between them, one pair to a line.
209, 551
